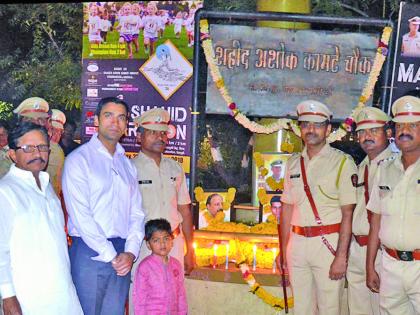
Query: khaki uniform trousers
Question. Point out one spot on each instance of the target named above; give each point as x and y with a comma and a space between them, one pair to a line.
177, 251
362, 301
309, 261
399, 292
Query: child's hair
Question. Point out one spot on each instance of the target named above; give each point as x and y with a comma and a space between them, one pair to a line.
156, 225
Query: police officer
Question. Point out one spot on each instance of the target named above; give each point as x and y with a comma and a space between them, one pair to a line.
56, 163
373, 133
273, 183
410, 46
318, 202
395, 221
162, 183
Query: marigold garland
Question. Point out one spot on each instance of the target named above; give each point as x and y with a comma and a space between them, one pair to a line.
284, 123
256, 288
275, 186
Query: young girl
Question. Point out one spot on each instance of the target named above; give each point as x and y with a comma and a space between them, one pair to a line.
151, 24
94, 25
124, 27
189, 27
178, 21
105, 24
136, 20
159, 280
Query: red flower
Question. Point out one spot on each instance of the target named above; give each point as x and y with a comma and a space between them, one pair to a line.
245, 274
382, 44
232, 106
89, 114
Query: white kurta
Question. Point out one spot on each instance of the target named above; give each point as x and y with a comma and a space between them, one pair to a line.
34, 262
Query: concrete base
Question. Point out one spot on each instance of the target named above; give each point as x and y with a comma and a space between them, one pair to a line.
220, 298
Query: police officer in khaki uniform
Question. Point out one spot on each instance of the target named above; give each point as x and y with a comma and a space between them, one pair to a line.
373, 133
56, 162
163, 186
410, 46
318, 202
395, 221
162, 183
5, 160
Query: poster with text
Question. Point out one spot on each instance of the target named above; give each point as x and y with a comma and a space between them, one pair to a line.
406, 73
268, 71
140, 52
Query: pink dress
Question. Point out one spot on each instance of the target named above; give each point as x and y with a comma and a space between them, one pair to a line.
159, 288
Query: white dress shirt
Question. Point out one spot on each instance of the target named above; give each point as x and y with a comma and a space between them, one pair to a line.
102, 199
34, 261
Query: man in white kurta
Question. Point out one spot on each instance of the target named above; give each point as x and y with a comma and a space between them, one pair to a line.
34, 262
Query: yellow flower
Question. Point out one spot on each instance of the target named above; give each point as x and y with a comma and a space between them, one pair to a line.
275, 186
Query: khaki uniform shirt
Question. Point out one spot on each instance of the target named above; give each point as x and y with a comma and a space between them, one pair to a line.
322, 173
411, 45
5, 161
162, 188
396, 196
55, 166
360, 220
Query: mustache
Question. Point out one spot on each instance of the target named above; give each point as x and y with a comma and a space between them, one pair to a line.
160, 142
37, 159
368, 142
405, 136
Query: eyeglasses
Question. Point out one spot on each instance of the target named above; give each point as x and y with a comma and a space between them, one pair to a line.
31, 148
316, 125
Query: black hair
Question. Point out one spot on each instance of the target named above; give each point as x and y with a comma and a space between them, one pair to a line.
275, 199
71, 123
107, 100
210, 197
156, 225
23, 128
4, 125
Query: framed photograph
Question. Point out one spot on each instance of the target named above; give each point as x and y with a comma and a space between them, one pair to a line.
275, 163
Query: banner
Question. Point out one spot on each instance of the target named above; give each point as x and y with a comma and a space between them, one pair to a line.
268, 71
406, 73
140, 52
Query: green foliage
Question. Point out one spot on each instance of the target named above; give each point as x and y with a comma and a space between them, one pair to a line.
41, 53
6, 111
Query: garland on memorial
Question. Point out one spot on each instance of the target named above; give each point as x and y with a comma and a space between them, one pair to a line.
285, 123
256, 288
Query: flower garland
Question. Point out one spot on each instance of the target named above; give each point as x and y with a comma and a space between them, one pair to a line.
219, 217
275, 186
284, 123
256, 288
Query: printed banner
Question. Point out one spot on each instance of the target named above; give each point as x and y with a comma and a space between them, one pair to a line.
406, 74
268, 71
141, 52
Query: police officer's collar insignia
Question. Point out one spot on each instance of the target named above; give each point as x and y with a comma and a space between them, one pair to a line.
36, 105
354, 179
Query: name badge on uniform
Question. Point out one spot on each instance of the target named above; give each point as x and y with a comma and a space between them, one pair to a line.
384, 188
295, 176
146, 181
